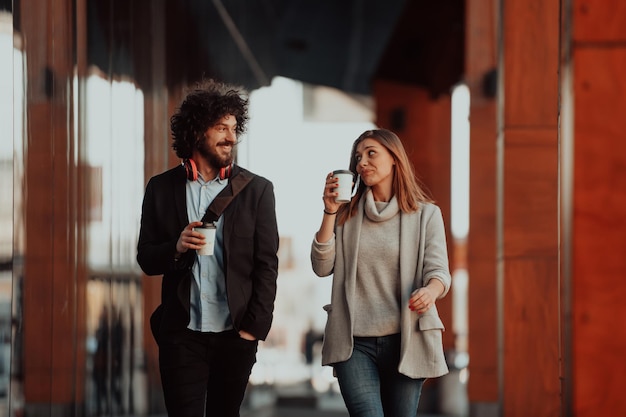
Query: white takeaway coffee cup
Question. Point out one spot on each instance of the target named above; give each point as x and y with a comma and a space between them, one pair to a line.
208, 230
344, 185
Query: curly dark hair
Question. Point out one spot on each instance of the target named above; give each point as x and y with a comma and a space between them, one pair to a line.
204, 106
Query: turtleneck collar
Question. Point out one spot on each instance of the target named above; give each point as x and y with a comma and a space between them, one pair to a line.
380, 211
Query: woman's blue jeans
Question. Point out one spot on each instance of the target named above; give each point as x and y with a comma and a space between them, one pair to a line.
370, 383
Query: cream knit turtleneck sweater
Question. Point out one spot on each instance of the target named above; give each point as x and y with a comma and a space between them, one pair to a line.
377, 291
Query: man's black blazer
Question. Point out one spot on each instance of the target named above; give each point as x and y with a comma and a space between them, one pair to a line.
250, 252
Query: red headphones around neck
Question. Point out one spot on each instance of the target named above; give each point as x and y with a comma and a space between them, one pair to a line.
192, 170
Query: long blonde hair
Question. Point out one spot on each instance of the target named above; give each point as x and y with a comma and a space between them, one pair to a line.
407, 188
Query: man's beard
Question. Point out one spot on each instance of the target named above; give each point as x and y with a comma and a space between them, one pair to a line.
215, 160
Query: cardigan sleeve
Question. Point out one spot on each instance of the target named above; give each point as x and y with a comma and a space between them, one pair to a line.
436, 251
323, 257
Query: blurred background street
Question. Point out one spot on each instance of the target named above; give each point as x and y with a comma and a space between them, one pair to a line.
513, 115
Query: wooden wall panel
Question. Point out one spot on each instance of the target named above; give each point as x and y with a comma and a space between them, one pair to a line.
599, 227
530, 276
531, 349
52, 271
483, 386
529, 208
480, 60
531, 59
531, 193
158, 150
38, 302
599, 21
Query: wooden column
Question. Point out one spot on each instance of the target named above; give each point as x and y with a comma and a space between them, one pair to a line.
596, 207
157, 148
481, 78
53, 307
527, 209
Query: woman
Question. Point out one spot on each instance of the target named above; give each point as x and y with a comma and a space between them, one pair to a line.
386, 249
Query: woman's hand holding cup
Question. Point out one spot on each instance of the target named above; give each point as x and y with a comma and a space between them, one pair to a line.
331, 206
331, 192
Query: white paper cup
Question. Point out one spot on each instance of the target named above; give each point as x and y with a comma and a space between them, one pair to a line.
209, 237
344, 186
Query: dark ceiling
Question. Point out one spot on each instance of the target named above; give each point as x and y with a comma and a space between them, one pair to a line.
344, 44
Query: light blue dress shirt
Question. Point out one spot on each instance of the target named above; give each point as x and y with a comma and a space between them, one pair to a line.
208, 301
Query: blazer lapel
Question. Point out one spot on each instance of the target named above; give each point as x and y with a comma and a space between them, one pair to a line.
180, 196
409, 250
350, 247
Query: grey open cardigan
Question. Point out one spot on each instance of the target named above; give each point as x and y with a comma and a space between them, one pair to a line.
423, 256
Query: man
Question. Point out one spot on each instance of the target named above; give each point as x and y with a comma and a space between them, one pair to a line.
214, 309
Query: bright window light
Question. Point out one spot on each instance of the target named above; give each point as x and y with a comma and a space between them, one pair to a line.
460, 162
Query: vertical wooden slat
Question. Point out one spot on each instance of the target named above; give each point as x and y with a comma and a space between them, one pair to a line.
50, 264
480, 64
530, 35
156, 159
528, 202
530, 289
598, 21
598, 229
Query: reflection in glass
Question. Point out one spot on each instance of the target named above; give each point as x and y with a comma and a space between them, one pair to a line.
9, 57
112, 160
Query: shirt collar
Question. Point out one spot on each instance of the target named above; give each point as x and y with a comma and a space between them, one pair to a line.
216, 179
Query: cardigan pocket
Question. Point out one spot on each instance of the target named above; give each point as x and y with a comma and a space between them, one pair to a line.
429, 337
430, 322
